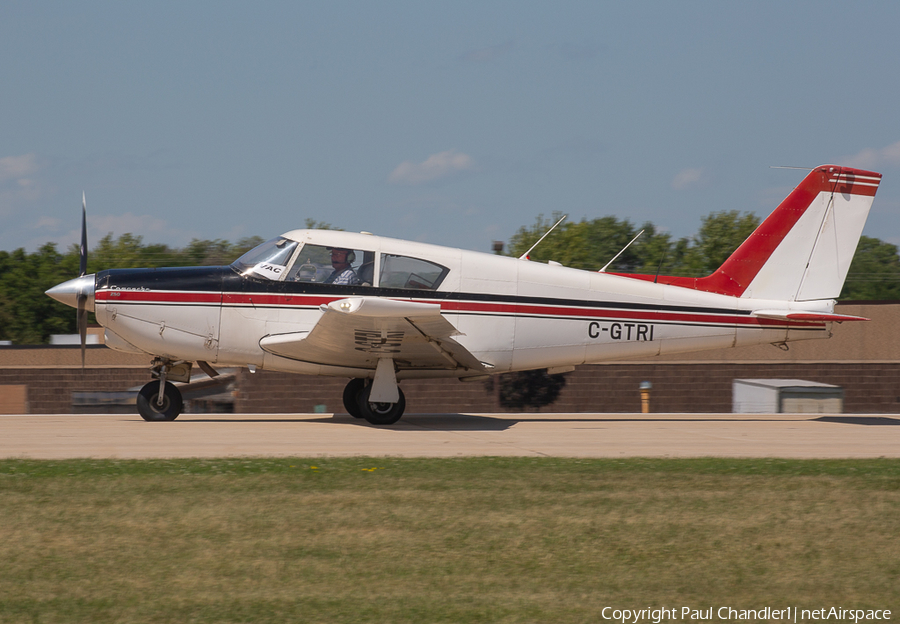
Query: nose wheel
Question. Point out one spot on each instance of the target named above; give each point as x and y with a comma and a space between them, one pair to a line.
151, 408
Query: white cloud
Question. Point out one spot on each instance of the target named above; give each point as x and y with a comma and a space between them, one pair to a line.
687, 178
17, 167
435, 167
48, 223
16, 184
870, 158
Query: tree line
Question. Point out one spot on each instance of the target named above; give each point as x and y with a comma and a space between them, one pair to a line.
27, 316
874, 273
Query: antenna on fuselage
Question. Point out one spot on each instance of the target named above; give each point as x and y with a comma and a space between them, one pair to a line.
659, 268
524, 256
605, 266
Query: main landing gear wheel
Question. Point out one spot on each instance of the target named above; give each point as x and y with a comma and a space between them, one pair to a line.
149, 407
351, 397
380, 413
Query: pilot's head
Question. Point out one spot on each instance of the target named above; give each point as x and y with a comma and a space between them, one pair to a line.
340, 258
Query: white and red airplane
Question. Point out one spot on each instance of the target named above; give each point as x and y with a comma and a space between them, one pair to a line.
379, 310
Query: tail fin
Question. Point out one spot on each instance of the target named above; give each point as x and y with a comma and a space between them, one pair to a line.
802, 251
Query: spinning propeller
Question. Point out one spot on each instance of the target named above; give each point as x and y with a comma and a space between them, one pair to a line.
81, 303
79, 292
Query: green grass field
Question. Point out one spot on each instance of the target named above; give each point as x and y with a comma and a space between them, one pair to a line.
437, 540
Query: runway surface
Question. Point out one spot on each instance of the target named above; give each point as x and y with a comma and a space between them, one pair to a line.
43, 436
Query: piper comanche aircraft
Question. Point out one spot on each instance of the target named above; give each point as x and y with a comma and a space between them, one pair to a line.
379, 310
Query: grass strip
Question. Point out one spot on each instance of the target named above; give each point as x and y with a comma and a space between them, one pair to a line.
440, 540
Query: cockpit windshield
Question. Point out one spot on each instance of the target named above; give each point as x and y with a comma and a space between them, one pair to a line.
268, 260
282, 259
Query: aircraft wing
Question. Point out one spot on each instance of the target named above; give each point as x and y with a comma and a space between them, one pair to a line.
358, 331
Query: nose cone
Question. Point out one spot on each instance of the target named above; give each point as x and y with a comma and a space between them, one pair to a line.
69, 292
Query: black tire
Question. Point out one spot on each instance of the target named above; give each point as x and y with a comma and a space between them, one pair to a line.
170, 408
381, 413
351, 397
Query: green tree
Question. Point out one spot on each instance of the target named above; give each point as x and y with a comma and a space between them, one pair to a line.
207, 253
312, 224
720, 234
874, 273
27, 315
591, 244
125, 252
653, 251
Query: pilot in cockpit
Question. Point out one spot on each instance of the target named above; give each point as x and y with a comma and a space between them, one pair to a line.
343, 273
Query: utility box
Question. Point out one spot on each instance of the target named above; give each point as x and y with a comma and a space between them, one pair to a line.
785, 396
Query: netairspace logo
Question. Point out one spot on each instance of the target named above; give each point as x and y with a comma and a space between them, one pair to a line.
788, 614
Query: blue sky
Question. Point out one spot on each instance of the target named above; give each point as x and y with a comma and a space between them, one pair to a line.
445, 122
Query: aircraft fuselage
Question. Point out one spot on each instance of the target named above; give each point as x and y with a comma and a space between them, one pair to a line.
512, 314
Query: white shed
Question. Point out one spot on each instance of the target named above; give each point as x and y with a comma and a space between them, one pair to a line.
785, 396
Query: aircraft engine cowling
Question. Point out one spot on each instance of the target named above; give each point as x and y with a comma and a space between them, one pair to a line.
172, 313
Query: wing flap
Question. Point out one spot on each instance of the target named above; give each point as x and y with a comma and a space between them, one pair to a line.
358, 331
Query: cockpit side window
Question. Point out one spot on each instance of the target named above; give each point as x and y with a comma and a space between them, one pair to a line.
268, 260
413, 273
333, 265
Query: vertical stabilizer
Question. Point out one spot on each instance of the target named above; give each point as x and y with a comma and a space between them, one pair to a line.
803, 250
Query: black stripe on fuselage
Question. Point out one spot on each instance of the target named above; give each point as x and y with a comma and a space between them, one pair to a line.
226, 279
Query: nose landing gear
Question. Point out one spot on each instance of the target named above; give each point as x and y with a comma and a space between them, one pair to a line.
159, 399
152, 409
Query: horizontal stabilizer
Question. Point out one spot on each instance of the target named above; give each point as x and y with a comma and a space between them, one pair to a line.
811, 317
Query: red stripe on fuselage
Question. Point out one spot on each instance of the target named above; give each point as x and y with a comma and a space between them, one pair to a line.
276, 300
449, 307
515, 309
154, 296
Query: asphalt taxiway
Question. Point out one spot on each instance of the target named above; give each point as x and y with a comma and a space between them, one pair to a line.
60, 436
